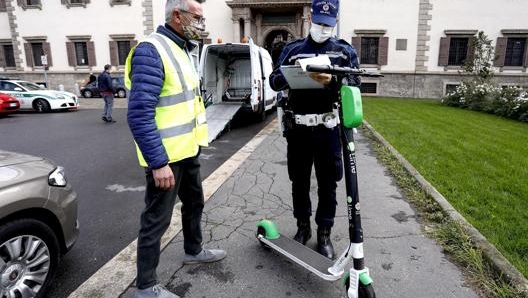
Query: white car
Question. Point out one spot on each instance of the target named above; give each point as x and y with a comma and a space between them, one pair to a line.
35, 97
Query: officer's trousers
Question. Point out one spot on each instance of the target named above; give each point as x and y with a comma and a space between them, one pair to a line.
320, 147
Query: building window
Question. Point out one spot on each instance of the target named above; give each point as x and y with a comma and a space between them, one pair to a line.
38, 52
371, 46
123, 47
3, 6
25, 4
369, 50
120, 2
458, 51
512, 49
72, 3
369, 88
80, 51
35, 48
8, 55
515, 49
120, 46
450, 88
456, 48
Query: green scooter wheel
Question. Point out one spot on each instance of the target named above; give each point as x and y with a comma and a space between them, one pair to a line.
364, 291
267, 229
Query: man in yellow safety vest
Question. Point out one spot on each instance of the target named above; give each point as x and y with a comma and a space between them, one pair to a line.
166, 116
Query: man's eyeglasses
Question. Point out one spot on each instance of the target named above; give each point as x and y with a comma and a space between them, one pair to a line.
196, 17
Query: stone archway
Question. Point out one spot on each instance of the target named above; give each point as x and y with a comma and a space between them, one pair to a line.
275, 40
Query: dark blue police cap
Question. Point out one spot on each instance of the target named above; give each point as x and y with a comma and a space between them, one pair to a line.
325, 12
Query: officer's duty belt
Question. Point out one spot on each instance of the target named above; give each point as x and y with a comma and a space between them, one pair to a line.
316, 119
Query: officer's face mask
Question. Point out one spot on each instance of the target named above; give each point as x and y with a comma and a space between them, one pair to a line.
192, 28
321, 33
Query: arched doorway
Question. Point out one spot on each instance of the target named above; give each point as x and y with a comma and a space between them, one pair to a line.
275, 42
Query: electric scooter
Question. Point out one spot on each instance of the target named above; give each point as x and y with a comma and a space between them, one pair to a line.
357, 280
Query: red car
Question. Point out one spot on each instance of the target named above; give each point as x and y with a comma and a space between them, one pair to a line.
8, 104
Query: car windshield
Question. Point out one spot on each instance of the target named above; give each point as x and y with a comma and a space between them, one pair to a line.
30, 86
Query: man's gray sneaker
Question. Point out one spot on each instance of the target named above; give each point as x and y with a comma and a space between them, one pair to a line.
157, 291
205, 256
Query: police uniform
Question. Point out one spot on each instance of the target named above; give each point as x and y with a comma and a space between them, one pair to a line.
311, 131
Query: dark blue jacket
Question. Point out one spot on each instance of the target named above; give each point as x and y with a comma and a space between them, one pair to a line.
104, 82
147, 76
315, 101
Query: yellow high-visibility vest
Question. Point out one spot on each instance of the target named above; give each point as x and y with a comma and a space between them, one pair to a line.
180, 113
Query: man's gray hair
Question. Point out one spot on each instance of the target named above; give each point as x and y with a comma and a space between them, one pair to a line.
171, 5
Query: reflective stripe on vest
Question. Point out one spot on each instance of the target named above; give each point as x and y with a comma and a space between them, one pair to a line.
180, 112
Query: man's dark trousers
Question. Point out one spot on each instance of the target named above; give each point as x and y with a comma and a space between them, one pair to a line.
157, 214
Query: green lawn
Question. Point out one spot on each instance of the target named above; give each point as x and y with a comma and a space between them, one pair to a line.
478, 162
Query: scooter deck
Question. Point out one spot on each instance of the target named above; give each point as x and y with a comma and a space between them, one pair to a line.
302, 255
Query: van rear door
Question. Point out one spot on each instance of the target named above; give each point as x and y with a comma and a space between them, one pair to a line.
256, 77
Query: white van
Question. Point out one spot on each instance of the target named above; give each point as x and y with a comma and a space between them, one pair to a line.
234, 76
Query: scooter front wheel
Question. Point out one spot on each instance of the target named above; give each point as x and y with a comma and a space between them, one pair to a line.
364, 291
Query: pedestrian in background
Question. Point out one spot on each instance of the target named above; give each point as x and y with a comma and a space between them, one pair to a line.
310, 123
166, 116
106, 88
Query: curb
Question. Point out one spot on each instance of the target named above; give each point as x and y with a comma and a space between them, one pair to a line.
500, 263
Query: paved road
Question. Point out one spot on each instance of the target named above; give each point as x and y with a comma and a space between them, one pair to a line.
101, 164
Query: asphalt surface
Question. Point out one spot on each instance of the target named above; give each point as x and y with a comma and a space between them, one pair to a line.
101, 164
403, 262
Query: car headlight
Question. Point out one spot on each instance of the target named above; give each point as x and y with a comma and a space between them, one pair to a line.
57, 177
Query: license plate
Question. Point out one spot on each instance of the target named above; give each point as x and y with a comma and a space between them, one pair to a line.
13, 104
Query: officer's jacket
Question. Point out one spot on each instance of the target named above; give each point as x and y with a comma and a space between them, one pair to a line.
315, 101
165, 112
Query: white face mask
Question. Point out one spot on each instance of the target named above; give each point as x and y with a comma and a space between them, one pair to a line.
320, 33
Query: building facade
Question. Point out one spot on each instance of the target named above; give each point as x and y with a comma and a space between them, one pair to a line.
419, 45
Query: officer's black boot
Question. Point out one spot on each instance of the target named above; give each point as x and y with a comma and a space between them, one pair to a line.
324, 244
304, 232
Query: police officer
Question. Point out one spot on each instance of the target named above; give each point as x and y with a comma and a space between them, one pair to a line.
310, 121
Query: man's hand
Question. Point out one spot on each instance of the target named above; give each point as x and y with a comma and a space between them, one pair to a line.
323, 78
164, 178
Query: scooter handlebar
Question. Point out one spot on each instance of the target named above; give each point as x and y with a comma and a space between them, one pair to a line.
340, 70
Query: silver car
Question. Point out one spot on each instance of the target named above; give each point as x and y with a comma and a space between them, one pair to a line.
38, 223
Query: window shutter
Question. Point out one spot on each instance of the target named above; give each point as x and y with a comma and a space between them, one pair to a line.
526, 53
70, 50
500, 51
471, 49
383, 51
29, 54
20, 2
113, 52
443, 56
356, 42
47, 51
90, 47
2, 60
3, 6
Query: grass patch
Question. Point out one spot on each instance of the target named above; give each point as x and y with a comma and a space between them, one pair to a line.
478, 162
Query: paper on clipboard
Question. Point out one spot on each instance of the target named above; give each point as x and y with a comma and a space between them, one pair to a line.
298, 78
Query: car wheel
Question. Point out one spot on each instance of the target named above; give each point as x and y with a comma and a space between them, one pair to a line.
87, 94
30, 255
41, 106
121, 93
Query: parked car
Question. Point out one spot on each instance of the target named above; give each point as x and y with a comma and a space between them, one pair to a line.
34, 97
90, 90
8, 104
38, 223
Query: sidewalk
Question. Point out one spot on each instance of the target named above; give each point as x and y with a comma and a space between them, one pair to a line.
403, 262
253, 185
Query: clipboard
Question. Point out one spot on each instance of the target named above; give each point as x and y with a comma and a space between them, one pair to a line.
297, 78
